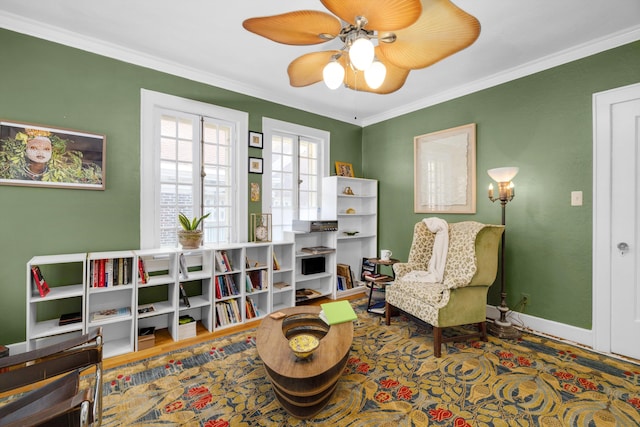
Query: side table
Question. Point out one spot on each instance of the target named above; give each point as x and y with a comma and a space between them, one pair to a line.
379, 280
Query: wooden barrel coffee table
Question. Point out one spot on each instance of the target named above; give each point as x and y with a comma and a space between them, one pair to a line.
303, 387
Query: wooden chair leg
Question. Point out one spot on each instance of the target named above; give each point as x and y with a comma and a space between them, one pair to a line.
482, 327
387, 313
437, 341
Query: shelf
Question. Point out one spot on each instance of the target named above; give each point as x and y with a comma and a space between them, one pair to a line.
58, 292
48, 328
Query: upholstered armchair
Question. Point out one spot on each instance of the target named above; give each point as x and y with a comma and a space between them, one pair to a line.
461, 297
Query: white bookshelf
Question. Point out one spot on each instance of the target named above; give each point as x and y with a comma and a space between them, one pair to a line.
356, 212
110, 284
65, 276
75, 287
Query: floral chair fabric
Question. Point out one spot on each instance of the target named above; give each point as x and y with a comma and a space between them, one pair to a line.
471, 267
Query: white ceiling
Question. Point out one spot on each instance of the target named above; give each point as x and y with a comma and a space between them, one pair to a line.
205, 41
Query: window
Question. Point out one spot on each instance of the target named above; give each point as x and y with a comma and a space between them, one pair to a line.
297, 159
193, 161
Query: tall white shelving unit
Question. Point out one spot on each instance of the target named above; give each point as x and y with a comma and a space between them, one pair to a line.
357, 212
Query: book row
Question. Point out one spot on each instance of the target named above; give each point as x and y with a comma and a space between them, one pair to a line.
228, 313
110, 272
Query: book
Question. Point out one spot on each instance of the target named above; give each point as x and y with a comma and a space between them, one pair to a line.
276, 264
344, 270
146, 308
377, 308
281, 285
185, 298
69, 318
184, 273
38, 278
337, 312
146, 331
368, 268
142, 273
317, 250
109, 313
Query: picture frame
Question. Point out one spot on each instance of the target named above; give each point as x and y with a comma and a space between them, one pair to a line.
255, 165
255, 139
344, 169
445, 171
37, 155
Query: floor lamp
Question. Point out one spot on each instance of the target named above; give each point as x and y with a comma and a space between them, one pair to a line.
502, 328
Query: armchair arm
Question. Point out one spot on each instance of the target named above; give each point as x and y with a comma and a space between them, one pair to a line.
402, 268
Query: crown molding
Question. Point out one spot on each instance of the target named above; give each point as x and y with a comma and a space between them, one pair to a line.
557, 59
55, 34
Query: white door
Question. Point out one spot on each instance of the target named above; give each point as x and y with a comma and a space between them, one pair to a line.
623, 135
625, 281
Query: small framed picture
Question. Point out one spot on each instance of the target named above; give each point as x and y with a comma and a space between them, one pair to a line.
344, 169
255, 165
255, 139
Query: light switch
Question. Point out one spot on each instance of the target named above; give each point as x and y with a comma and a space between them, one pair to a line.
576, 198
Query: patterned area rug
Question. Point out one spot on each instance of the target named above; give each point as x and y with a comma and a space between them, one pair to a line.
391, 379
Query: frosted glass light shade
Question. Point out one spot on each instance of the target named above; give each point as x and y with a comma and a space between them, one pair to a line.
361, 53
505, 174
375, 74
333, 75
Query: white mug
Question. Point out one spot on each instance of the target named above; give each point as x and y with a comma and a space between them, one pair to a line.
385, 254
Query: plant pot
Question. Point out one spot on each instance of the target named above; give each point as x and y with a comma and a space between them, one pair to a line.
190, 239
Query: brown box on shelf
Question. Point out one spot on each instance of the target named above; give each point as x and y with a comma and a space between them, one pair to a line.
146, 341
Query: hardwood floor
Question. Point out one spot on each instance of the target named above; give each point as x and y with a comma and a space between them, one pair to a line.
164, 342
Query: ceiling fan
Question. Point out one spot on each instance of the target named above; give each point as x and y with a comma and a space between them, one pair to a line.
410, 34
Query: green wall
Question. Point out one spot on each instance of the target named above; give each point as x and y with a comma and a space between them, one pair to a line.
58, 86
542, 124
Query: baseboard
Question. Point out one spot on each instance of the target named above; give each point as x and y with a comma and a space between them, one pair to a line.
546, 327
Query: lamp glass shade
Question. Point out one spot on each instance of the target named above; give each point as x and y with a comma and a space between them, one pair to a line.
333, 75
505, 174
375, 74
361, 53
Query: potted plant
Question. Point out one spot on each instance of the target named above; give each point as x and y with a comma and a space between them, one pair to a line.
190, 237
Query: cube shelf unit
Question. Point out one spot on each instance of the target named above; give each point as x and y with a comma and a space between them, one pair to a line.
65, 276
152, 277
111, 285
322, 283
356, 212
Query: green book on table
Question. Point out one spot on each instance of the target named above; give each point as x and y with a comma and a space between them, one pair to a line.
338, 312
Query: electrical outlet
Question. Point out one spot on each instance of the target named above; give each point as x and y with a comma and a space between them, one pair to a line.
525, 298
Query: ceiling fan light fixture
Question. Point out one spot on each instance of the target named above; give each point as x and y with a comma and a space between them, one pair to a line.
333, 74
375, 74
361, 53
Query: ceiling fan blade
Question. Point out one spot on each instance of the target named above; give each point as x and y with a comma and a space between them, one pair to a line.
382, 15
307, 69
442, 30
394, 80
302, 27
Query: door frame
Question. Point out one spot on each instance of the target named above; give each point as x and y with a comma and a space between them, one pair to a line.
602, 242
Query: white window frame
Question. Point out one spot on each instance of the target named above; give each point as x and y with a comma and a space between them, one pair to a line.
150, 161
271, 126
